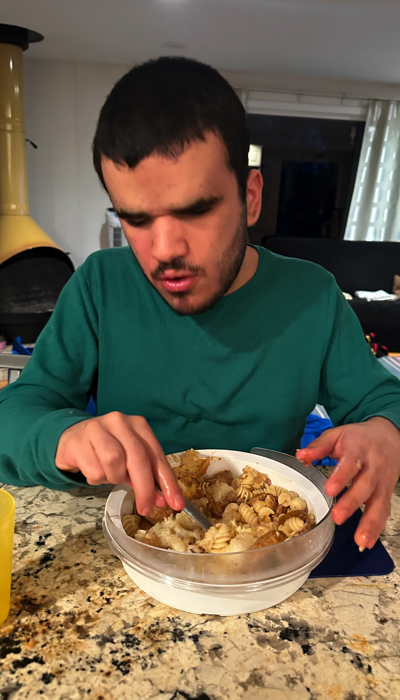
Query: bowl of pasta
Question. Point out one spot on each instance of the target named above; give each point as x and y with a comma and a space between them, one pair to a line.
271, 526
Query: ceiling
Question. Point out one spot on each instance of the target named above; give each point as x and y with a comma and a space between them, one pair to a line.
345, 39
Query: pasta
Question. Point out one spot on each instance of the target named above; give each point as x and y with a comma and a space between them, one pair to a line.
258, 505
217, 538
284, 498
291, 526
247, 512
266, 527
131, 523
264, 513
243, 492
231, 512
258, 492
298, 503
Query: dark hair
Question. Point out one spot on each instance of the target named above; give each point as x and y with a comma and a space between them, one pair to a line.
163, 105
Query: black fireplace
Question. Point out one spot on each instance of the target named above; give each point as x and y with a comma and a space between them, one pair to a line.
30, 284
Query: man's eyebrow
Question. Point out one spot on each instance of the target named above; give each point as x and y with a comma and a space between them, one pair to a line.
202, 202
126, 215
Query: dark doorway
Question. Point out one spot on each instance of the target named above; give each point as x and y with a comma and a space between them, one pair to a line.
309, 167
306, 198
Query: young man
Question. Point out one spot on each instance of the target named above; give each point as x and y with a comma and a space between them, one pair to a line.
191, 337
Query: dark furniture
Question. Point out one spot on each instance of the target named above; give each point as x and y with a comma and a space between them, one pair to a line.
356, 265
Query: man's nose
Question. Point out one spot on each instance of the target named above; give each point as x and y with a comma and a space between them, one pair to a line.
168, 239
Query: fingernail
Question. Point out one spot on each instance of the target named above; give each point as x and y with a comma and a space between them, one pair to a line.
334, 486
179, 503
338, 517
365, 539
145, 511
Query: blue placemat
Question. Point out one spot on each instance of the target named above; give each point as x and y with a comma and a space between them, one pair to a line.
344, 558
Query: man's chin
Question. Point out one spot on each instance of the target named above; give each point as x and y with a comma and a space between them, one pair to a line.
185, 304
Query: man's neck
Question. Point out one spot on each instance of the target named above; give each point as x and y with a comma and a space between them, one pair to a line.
247, 270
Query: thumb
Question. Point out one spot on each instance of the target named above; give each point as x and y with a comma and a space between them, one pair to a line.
322, 447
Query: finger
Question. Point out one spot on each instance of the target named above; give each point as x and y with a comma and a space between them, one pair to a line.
161, 469
360, 491
87, 463
323, 446
377, 511
138, 462
348, 467
160, 501
110, 453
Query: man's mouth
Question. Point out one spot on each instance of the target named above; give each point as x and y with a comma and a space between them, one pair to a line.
177, 281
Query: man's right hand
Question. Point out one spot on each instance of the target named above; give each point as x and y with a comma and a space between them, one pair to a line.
115, 449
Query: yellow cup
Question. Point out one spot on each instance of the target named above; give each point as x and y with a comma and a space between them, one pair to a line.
7, 514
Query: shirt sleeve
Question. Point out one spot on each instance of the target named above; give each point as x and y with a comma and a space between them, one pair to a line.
354, 386
51, 393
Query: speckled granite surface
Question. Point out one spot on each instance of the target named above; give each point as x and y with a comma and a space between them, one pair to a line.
79, 628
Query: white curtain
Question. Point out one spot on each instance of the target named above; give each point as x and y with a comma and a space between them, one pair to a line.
375, 206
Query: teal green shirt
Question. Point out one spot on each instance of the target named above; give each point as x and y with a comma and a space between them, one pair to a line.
246, 373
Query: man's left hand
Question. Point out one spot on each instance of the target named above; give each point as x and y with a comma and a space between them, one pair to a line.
369, 460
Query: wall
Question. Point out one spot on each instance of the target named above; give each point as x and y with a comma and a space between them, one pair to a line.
302, 83
62, 103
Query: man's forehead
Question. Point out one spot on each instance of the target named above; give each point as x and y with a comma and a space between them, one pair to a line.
165, 184
200, 158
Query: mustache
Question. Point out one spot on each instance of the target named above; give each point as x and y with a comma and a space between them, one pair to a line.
176, 264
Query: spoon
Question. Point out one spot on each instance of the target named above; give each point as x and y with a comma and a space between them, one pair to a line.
193, 511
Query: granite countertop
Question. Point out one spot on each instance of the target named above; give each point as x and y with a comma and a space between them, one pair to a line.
79, 627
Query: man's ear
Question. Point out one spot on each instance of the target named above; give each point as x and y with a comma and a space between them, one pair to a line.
254, 196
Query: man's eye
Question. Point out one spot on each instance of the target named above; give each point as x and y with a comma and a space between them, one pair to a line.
201, 211
138, 223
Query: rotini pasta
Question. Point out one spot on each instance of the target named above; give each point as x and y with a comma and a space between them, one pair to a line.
257, 505
217, 538
291, 526
266, 527
298, 503
265, 513
259, 492
231, 512
247, 512
131, 523
284, 498
243, 492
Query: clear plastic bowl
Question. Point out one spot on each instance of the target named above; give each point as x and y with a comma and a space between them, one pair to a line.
230, 583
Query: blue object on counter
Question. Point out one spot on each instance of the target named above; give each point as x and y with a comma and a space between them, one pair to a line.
91, 407
315, 426
19, 349
345, 559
